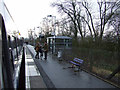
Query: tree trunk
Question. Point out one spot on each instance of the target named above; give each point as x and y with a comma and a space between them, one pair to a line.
114, 72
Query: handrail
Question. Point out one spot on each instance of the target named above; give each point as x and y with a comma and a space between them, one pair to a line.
21, 80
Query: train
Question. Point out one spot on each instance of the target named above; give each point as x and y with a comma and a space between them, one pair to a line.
10, 48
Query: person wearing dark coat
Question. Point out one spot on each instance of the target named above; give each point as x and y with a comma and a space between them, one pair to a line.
37, 47
45, 47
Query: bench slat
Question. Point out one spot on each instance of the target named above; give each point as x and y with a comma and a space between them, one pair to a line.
78, 61
74, 63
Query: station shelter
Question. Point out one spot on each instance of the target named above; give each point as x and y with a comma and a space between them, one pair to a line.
59, 43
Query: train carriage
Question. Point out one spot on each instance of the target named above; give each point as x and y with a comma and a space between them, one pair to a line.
10, 47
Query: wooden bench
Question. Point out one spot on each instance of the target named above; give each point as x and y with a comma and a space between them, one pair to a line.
76, 62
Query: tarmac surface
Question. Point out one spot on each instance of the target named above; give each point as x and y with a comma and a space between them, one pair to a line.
56, 74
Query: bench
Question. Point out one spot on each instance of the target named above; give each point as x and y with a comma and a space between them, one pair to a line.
76, 62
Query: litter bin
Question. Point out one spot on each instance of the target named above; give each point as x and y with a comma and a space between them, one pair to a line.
60, 55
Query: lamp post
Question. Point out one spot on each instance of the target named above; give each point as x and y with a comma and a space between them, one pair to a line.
53, 23
40, 33
53, 33
34, 35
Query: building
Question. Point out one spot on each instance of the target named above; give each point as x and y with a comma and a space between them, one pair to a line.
59, 43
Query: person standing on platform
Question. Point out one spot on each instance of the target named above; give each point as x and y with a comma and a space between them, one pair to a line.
41, 51
45, 50
37, 47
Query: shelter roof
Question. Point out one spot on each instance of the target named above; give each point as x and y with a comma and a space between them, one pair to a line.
61, 37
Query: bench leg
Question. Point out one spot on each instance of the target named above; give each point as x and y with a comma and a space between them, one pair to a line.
76, 69
79, 69
72, 66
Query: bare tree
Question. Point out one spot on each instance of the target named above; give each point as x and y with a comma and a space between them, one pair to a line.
46, 28
30, 34
115, 22
71, 9
106, 11
65, 27
89, 19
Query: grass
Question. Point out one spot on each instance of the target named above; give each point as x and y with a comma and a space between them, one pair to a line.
101, 71
102, 62
104, 73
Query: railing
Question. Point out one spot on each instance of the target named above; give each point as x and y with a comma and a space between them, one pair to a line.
10, 54
21, 80
15, 47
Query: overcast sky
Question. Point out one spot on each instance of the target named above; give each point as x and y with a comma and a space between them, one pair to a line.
29, 13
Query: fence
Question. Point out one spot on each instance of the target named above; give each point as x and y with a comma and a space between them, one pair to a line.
10, 53
100, 62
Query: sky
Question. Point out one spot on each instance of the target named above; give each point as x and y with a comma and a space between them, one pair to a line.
28, 14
